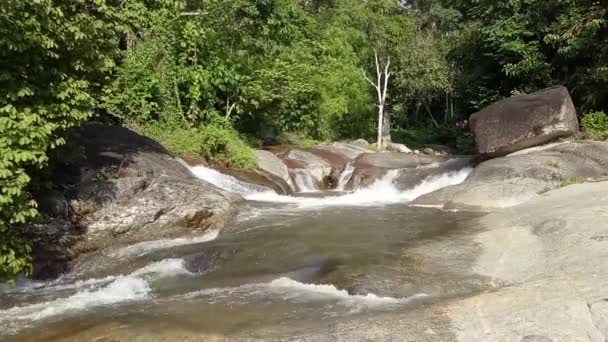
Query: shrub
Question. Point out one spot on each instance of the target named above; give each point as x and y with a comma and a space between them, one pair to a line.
214, 142
460, 139
595, 125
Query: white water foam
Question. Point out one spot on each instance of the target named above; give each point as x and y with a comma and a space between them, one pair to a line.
345, 177
286, 289
295, 289
144, 248
381, 192
114, 290
226, 182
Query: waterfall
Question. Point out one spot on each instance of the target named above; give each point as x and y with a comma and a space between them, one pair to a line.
303, 180
382, 192
226, 182
345, 177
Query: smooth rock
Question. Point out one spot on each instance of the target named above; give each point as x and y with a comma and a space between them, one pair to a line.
428, 151
410, 177
361, 143
547, 259
373, 166
515, 179
521, 122
315, 165
348, 151
269, 163
394, 147
129, 190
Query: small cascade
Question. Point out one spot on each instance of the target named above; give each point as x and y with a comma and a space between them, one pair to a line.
382, 192
345, 177
226, 182
303, 180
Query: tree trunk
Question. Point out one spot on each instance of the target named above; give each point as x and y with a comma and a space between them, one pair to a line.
386, 128
383, 75
380, 124
431, 115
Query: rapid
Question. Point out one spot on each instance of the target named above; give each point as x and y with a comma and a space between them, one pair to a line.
288, 265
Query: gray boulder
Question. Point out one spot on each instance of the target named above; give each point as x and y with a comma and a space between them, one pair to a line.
316, 166
517, 178
273, 166
361, 143
370, 167
410, 177
348, 151
521, 122
128, 189
394, 147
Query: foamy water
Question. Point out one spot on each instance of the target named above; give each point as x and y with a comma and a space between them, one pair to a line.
93, 293
287, 289
345, 177
226, 182
381, 192
144, 248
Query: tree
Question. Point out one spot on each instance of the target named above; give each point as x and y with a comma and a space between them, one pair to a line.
383, 75
55, 56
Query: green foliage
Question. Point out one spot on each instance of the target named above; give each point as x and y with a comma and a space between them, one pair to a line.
595, 125
54, 56
216, 142
200, 81
459, 139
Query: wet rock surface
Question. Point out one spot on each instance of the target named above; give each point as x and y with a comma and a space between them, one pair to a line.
127, 189
372, 166
522, 176
273, 166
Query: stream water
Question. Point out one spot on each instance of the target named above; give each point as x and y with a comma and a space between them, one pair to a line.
289, 266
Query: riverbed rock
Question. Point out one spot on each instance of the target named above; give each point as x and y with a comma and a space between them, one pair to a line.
348, 151
370, 167
522, 176
129, 189
442, 150
316, 166
521, 122
547, 259
272, 165
361, 143
395, 147
411, 177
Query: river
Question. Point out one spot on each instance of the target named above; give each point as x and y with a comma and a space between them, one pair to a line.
318, 266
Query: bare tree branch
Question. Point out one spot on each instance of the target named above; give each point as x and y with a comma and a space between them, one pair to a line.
368, 79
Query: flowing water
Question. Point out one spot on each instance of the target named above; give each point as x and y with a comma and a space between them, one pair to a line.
291, 266
303, 180
346, 176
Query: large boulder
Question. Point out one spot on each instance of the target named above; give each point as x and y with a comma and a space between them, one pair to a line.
128, 189
524, 121
275, 168
522, 176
